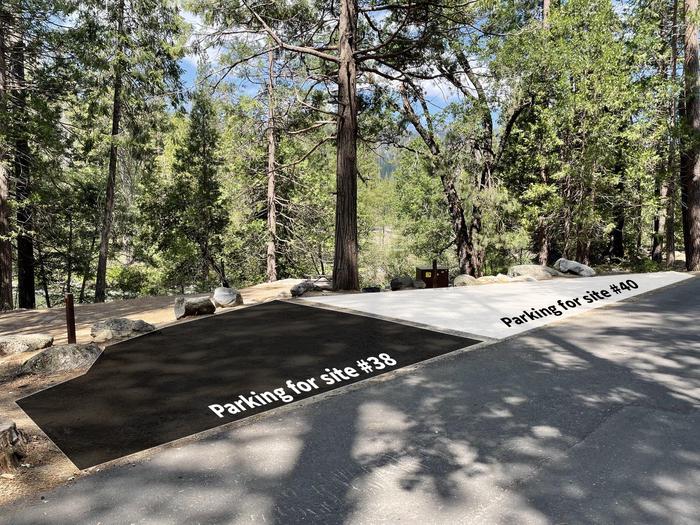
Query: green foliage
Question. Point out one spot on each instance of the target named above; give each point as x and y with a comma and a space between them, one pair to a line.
183, 206
595, 141
582, 153
127, 280
424, 222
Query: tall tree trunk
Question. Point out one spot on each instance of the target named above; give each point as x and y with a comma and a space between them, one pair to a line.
660, 221
686, 159
542, 242
345, 262
6, 302
436, 166
568, 218
670, 222
665, 175
22, 172
476, 250
542, 232
477, 254
672, 149
43, 277
224, 279
271, 166
616, 248
584, 233
101, 279
691, 167
69, 257
5, 243
640, 219
459, 224
617, 245
86, 268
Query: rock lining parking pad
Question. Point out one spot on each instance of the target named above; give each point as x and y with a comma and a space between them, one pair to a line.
156, 388
478, 309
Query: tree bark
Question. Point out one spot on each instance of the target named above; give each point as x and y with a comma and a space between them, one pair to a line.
86, 268
6, 299
568, 219
583, 250
22, 173
271, 166
192, 306
660, 223
617, 245
477, 253
42, 276
13, 446
436, 166
219, 268
672, 150
459, 224
542, 237
690, 176
670, 222
663, 232
640, 219
542, 232
476, 250
101, 278
69, 258
345, 263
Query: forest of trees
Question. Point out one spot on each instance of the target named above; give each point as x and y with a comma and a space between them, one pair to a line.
352, 137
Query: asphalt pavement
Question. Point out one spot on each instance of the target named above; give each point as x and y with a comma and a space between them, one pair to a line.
183, 379
593, 419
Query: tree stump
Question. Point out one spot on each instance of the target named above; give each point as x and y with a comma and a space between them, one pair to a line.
13, 446
187, 307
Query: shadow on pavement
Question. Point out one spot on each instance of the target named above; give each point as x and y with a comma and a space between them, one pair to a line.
156, 388
594, 420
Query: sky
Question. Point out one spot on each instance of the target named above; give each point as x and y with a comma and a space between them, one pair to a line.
438, 94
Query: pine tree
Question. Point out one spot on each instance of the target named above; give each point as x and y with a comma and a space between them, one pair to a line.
144, 34
187, 216
690, 165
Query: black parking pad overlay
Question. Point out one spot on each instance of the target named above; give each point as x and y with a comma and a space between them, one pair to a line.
156, 388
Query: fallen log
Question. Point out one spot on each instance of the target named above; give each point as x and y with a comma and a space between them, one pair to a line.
187, 307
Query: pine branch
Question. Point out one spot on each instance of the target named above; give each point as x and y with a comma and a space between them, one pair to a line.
308, 153
299, 49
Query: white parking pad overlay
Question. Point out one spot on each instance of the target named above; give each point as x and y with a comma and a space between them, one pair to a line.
501, 310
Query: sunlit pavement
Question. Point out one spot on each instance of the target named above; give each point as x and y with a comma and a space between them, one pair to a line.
501, 310
591, 420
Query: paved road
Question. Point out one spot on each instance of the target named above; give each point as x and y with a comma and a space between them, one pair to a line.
593, 420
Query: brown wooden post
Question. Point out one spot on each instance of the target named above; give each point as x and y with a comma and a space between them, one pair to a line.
70, 318
434, 273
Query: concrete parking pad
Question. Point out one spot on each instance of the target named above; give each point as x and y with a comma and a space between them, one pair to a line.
481, 310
